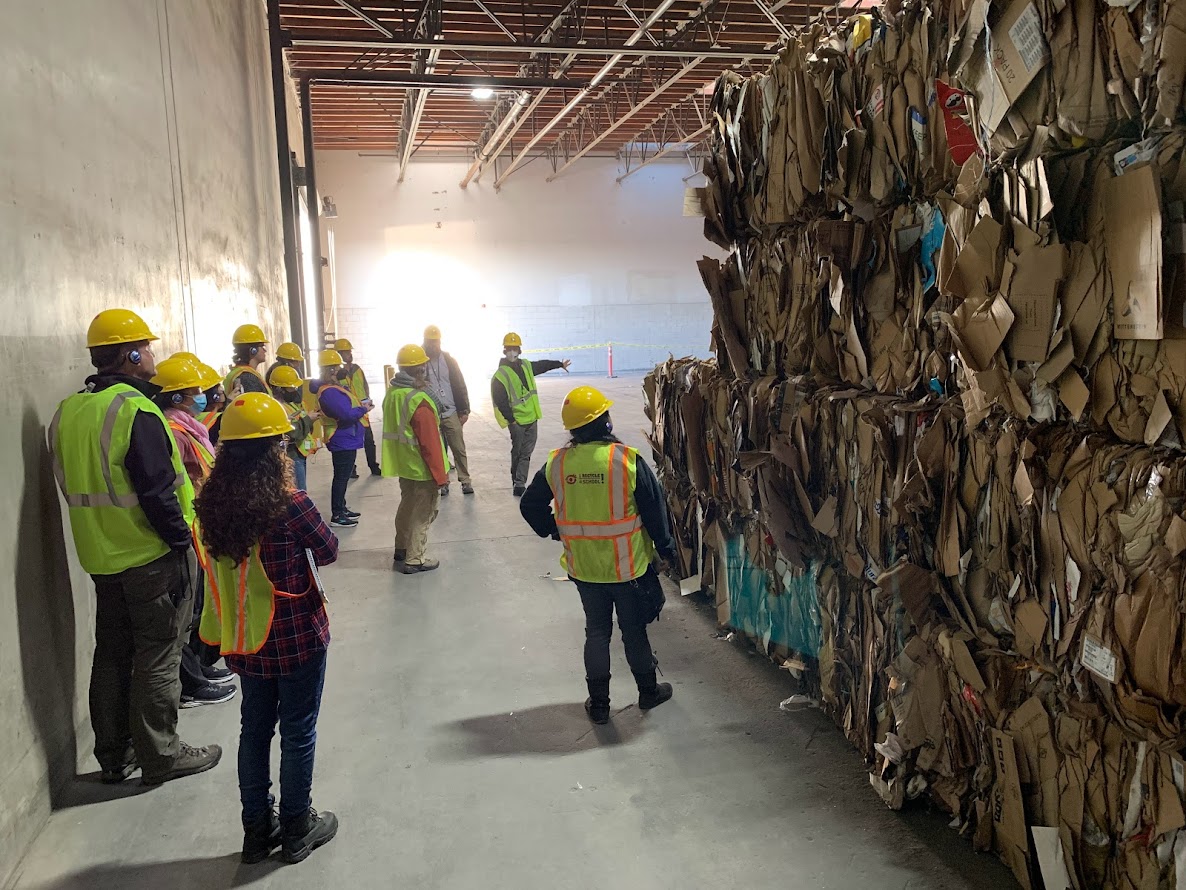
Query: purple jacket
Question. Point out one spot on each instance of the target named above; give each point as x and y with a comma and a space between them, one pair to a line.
336, 405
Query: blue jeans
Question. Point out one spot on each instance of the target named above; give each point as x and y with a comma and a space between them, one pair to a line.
300, 469
295, 700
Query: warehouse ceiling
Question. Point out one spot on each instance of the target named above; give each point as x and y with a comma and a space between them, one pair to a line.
558, 80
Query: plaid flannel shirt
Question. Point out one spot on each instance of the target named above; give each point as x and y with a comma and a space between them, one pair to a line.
300, 626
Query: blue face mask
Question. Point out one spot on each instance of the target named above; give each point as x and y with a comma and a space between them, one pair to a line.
200, 401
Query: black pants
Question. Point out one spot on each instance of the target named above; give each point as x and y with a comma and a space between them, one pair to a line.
599, 601
141, 618
368, 447
343, 470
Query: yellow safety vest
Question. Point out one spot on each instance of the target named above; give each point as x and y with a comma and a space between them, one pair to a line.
209, 419
401, 450
311, 404
89, 439
307, 445
232, 378
241, 602
357, 384
593, 487
329, 426
524, 399
205, 458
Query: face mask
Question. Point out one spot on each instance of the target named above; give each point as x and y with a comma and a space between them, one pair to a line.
200, 401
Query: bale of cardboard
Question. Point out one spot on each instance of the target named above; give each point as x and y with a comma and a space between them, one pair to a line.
937, 468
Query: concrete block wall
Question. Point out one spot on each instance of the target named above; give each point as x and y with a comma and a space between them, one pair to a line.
139, 170
567, 264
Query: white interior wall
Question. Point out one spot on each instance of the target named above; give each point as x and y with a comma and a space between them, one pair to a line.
579, 261
138, 169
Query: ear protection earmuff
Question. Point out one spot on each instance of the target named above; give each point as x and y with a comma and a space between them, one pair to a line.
177, 398
134, 357
254, 351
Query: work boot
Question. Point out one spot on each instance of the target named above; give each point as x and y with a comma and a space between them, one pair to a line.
121, 773
306, 833
651, 694
467, 488
520, 490
597, 705
444, 490
189, 762
401, 555
376, 471
260, 838
414, 568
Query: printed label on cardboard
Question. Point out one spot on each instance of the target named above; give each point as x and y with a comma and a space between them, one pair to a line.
1099, 659
1029, 40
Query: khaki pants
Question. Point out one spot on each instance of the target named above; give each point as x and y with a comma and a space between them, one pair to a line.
418, 503
451, 429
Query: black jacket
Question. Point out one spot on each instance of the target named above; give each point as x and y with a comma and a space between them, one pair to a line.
498, 393
536, 507
149, 463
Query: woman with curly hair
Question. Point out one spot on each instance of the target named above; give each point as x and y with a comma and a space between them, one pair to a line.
259, 539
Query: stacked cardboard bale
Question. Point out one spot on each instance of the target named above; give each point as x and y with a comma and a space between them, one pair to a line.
937, 467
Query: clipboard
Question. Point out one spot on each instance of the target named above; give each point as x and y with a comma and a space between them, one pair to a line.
317, 583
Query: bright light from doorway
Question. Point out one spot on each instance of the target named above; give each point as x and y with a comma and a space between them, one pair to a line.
482, 93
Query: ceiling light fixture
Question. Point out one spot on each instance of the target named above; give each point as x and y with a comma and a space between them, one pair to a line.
482, 93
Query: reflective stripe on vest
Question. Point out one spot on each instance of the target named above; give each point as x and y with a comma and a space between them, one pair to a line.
208, 419
401, 449
237, 615
205, 458
596, 517
524, 399
297, 413
89, 439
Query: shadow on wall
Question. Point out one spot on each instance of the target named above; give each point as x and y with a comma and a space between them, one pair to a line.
45, 609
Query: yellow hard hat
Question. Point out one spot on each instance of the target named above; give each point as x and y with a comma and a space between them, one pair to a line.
188, 356
411, 356
210, 377
253, 415
285, 376
290, 352
343, 345
175, 374
114, 326
330, 358
248, 335
583, 405
432, 332
512, 339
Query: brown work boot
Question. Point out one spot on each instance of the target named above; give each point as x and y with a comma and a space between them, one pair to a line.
414, 568
189, 762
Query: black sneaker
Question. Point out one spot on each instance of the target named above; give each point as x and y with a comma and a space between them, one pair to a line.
260, 838
121, 773
308, 832
520, 490
353, 475
598, 711
376, 471
189, 762
343, 522
215, 674
467, 488
210, 694
350, 514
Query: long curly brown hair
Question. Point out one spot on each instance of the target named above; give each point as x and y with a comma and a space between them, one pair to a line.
247, 494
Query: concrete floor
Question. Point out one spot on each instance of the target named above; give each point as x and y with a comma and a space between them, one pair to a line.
454, 748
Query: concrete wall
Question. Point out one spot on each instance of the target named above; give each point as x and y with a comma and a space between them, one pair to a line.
578, 261
138, 170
